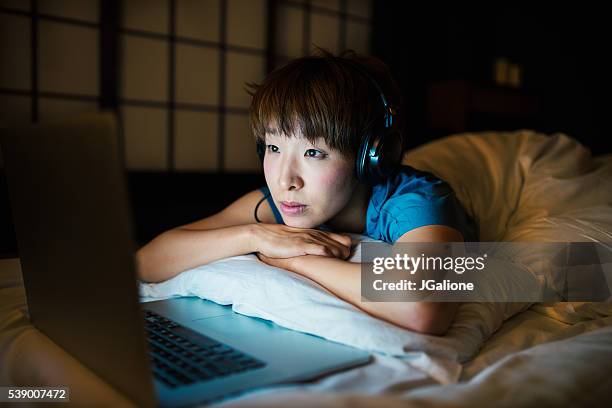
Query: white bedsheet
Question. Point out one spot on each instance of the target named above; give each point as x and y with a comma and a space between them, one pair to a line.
573, 372
547, 361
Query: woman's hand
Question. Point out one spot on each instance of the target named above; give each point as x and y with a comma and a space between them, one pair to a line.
281, 241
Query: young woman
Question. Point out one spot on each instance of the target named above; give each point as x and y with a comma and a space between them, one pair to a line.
311, 117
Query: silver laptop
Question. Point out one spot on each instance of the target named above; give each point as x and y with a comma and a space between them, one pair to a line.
70, 209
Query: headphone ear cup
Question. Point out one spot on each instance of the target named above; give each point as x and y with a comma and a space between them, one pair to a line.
380, 154
362, 161
390, 154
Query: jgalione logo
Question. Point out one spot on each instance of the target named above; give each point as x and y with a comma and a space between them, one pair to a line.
412, 264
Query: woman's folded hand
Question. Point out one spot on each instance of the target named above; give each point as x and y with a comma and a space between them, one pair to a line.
281, 241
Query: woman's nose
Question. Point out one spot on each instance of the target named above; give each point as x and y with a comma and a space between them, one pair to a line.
291, 182
289, 178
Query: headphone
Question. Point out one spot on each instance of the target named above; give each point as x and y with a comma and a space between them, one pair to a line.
380, 152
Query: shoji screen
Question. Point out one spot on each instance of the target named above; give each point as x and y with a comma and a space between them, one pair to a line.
179, 73
184, 65
50, 59
335, 25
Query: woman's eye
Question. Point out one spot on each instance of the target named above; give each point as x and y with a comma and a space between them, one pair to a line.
315, 153
273, 148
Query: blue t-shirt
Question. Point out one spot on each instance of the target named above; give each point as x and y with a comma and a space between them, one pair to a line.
409, 199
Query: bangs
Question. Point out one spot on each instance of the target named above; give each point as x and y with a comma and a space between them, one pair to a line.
317, 98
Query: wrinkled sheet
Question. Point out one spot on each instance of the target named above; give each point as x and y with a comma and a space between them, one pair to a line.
576, 371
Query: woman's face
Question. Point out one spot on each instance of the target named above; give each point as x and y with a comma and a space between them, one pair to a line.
309, 184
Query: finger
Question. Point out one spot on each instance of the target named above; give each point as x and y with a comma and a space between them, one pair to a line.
321, 250
339, 239
340, 250
264, 258
332, 248
343, 239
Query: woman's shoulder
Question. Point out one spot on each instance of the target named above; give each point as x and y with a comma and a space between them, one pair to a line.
412, 184
412, 198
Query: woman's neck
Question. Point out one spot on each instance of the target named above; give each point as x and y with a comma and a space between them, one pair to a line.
352, 217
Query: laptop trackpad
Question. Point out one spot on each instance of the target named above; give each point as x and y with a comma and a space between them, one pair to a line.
235, 326
186, 309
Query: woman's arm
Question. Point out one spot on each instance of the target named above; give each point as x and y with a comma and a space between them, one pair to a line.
344, 280
224, 234
181, 249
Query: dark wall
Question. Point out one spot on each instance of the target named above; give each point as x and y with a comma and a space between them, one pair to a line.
159, 201
562, 51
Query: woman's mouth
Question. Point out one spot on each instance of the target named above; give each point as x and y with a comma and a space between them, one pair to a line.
292, 208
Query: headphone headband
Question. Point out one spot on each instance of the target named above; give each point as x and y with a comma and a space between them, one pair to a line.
389, 110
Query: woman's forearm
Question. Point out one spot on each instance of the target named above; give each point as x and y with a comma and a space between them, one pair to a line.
344, 280
178, 250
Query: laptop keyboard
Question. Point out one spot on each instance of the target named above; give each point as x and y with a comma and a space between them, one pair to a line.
181, 356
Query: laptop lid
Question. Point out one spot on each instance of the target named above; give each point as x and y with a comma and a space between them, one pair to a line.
70, 209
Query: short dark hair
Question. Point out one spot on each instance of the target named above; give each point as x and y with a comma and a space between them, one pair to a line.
323, 97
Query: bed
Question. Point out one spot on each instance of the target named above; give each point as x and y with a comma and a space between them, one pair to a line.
531, 188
